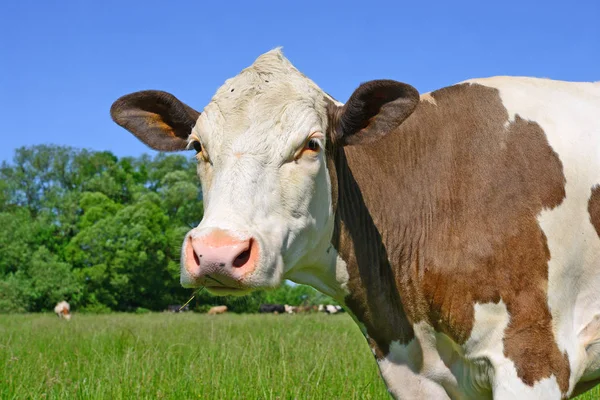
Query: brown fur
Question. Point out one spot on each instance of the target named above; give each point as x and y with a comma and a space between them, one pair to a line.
594, 208
441, 214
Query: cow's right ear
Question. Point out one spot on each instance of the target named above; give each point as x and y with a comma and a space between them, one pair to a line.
157, 118
375, 109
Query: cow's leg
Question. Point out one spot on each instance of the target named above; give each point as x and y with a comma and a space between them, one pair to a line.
508, 385
404, 382
416, 370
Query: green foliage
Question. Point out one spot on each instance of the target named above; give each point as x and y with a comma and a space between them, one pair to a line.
94, 308
104, 233
17, 236
50, 281
13, 294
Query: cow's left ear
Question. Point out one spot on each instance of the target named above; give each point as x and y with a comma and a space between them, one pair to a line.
157, 118
375, 109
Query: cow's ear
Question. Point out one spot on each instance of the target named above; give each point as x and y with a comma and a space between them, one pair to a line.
375, 109
157, 118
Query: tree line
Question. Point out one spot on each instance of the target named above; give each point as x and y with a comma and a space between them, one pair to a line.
104, 233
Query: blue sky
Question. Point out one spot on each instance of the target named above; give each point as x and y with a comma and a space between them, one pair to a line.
62, 63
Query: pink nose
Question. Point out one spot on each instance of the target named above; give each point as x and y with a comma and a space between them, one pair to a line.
220, 253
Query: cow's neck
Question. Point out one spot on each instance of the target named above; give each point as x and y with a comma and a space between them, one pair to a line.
381, 209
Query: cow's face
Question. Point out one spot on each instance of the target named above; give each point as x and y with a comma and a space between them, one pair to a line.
266, 190
260, 145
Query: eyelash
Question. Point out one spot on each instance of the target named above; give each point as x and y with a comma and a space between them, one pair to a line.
313, 145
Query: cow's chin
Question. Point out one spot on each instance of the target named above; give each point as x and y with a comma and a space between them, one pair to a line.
243, 288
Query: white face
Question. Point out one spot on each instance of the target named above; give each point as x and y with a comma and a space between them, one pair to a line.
267, 195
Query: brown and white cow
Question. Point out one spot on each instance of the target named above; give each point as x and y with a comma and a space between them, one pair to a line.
63, 310
460, 228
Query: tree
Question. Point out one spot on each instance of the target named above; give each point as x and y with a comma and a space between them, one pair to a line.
17, 240
103, 232
49, 281
123, 257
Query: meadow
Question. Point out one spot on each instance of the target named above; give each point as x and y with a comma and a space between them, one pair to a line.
184, 356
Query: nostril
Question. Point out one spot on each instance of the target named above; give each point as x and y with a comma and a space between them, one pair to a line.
242, 259
192, 259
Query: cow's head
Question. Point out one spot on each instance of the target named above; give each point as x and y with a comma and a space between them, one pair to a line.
260, 145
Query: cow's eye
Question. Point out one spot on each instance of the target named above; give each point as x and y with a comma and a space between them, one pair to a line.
312, 145
197, 146
201, 154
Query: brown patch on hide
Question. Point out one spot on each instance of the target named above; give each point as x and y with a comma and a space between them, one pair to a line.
594, 208
440, 214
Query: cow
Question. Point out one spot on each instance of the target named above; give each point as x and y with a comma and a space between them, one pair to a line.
306, 309
271, 308
217, 310
290, 309
330, 309
460, 228
63, 310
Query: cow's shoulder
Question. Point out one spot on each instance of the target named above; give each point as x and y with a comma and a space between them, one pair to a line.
478, 174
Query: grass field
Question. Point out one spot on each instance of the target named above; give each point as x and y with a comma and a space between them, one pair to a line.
180, 356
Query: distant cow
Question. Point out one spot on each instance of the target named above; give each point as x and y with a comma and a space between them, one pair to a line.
178, 308
306, 309
217, 310
460, 227
63, 310
290, 309
272, 308
330, 309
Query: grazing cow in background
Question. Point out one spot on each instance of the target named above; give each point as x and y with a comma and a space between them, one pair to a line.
272, 308
306, 309
290, 309
461, 228
217, 310
330, 309
63, 310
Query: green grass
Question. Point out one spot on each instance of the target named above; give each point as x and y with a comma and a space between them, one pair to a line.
182, 356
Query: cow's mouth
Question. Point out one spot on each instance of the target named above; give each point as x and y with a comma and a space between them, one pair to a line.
224, 286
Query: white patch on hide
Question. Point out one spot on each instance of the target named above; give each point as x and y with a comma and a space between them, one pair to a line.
416, 371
